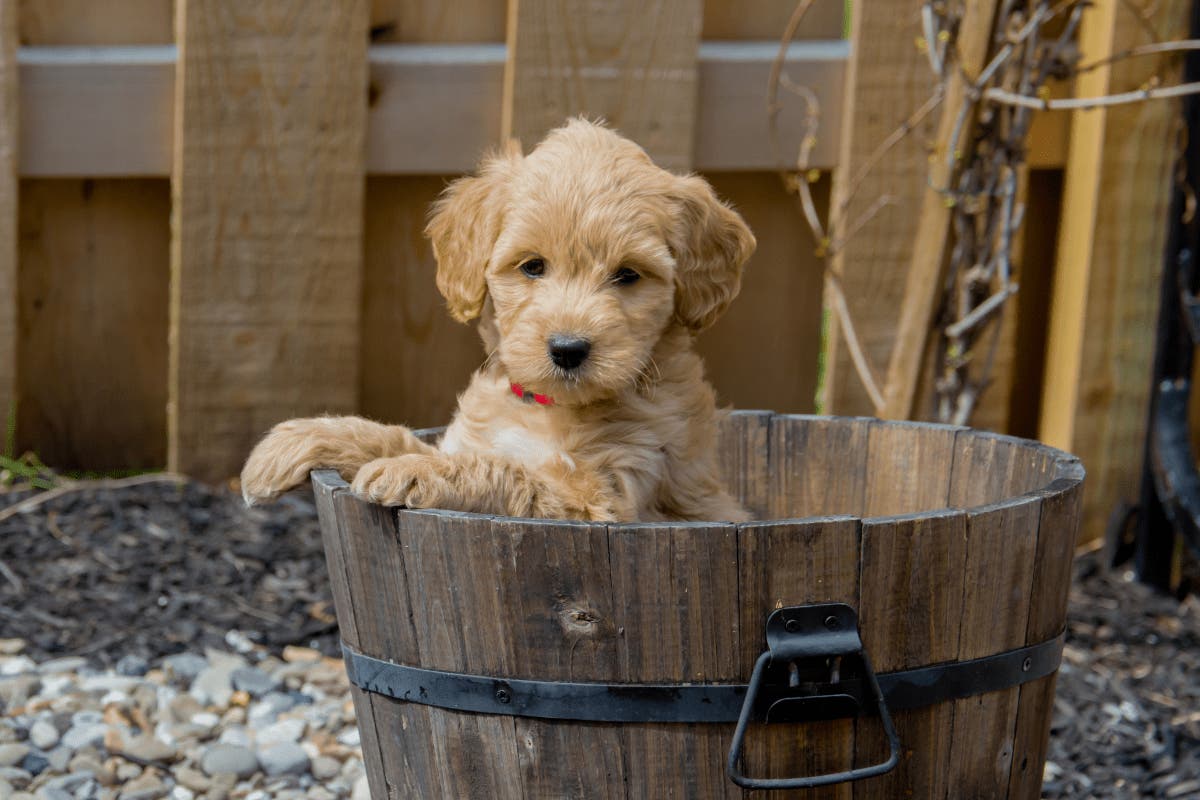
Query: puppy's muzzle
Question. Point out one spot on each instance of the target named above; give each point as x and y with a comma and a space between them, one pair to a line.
568, 352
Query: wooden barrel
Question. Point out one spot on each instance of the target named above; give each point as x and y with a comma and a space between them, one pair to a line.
952, 545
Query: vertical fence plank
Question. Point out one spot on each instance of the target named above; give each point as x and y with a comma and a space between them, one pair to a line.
633, 63
268, 184
8, 219
1104, 305
93, 313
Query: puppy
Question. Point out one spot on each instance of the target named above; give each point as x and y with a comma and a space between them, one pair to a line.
590, 271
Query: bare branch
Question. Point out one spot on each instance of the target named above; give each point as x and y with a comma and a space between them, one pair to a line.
1004, 97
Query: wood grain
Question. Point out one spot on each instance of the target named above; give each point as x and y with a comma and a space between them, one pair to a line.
767, 19
675, 595
1057, 527
1001, 545
743, 456
415, 357
784, 564
1106, 289
267, 247
9, 133
910, 588
93, 322
818, 466
776, 318
908, 468
426, 21
931, 239
113, 22
632, 63
887, 80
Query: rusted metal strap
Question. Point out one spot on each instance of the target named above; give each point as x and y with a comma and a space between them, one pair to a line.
626, 702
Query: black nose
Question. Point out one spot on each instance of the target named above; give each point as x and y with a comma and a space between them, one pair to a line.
568, 352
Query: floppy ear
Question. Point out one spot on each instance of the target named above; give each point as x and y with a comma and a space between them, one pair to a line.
463, 226
711, 244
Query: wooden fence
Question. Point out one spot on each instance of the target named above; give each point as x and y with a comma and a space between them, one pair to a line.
213, 210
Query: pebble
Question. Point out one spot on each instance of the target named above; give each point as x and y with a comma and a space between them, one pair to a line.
133, 666
230, 731
57, 665
229, 759
43, 735
285, 758
12, 754
253, 681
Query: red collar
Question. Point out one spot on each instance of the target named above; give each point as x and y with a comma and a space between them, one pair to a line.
530, 397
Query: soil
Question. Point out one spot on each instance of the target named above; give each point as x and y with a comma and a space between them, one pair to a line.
152, 566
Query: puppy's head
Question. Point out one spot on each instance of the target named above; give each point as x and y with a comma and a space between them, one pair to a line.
588, 253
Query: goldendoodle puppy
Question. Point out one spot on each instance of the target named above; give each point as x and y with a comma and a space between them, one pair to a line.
590, 270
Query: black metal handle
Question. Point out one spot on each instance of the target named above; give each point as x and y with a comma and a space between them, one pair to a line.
792, 636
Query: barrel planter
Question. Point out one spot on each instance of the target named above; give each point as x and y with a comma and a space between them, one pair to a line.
495, 657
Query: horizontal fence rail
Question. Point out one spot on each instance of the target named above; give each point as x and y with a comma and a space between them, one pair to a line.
108, 111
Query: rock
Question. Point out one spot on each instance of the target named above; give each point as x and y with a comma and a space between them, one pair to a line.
325, 768
10, 647
182, 793
351, 738
229, 759
12, 754
235, 735
35, 763
86, 763
16, 691
361, 790
285, 731
59, 665
184, 667
88, 735
59, 757
18, 777
191, 778
213, 686
69, 783
285, 758
16, 665
148, 748
47, 793
133, 666
293, 654
43, 735
253, 681
127, 772
144, 787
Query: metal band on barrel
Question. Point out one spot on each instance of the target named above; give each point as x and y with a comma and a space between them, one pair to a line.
711, 702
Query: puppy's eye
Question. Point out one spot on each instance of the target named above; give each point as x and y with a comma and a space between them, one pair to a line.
625, 276
534, 268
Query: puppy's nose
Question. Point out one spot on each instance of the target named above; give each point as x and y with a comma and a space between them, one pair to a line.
568, 352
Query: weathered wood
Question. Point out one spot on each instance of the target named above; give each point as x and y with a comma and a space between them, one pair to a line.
931, 239
1001, 543
743, 450
910, 607
668, 603
114, 22
785, 564
1106, 288
776, 318
267, 248
421, 21
767, 19
632, 63
887, 80
93, 309
9, 132
908, 468
406, 330
1057, 527
675, 595
818, 466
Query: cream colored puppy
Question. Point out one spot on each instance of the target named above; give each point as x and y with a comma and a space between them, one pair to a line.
590, 271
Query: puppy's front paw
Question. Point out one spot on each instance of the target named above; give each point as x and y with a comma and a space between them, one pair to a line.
414, 481
285, 456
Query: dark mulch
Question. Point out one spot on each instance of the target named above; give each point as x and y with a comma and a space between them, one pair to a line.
154, 568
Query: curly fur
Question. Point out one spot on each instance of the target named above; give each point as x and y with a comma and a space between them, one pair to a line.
632, 433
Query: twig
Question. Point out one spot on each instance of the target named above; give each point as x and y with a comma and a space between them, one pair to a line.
30, 503
852, 344
1182, 45
1004, 97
